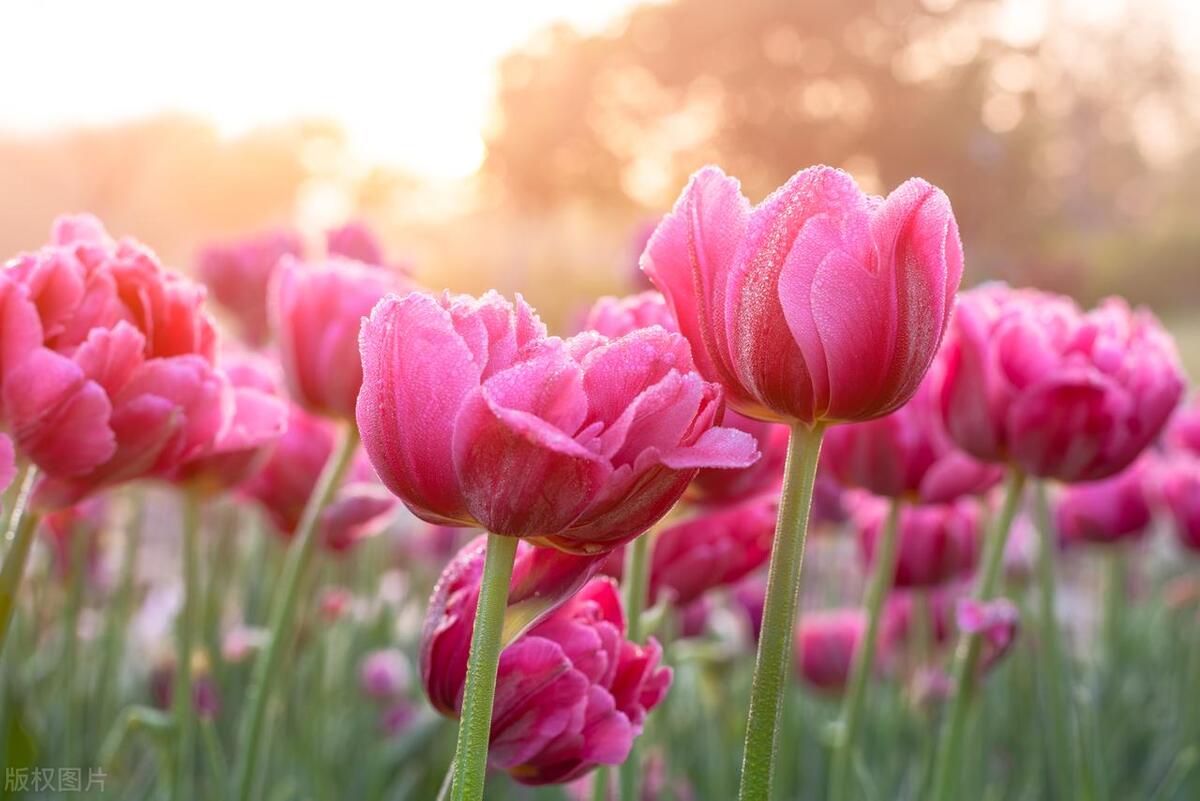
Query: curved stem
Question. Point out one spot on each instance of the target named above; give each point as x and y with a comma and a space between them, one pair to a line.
772, 668
22, 525
636, 587
1054, 670
182, 693
882, 573
969, 646
253, 737
475, 726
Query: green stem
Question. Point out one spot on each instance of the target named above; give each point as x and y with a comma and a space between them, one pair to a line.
637, 583
970, 646
880, 583
600, 781
22, 526
1114, 604
76, 573
116, 620
1054, 669
182, 692
253, 736
772, 668
475, 726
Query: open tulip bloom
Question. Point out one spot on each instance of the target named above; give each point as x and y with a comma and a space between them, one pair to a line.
473, 416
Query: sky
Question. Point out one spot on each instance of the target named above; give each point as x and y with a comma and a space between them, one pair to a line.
410, 82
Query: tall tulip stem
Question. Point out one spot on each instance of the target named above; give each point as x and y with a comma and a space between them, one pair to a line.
475, 727
772, 668
882, 573
970, 646
636, 587
182, 693
253, 736
1054, 669
20, 534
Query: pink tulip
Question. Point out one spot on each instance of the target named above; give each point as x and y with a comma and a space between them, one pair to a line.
900, 624
1032, 380
616, 317
354, 240
112, 378
712, 548
384, 674
316, 312
907, 454
1181, 492
996, 621
1106, 511
826, 643
765, 475
937, 542
571, 692
821, 304
1184, 431
473, 416
284, 482
259, 420
239, 272
543, 579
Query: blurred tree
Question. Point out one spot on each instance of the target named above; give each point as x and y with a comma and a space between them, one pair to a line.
1029, 134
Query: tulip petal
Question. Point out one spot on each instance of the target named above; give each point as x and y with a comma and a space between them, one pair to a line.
409, 401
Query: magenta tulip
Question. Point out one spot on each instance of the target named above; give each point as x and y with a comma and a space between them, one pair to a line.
821, 304
1184, 430
242, 448
1106, 511
937, 542
238, 272
283, 483
1181, 492
907, 454
571, 692
996, 621
316, 312
473, 416
711, 548
826, 643
1032, 380
384, 674
354, 240
112, 377
615, 317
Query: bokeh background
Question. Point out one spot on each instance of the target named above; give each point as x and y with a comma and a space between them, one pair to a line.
524, 145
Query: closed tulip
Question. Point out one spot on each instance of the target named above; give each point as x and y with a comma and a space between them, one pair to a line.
238, 272
473, 416
907, 454
821, 304
937, 542
1106, 511
1033, 381
316, 312
1181, 491
285, 480
826, 643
